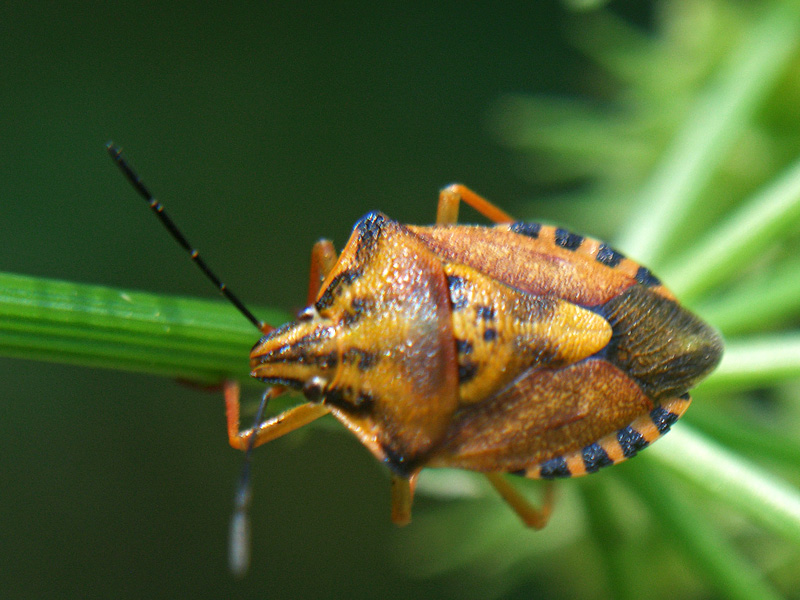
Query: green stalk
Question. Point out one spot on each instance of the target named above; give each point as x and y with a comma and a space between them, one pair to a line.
721, 564
776, 293
730, 478
717, 119
94, 326
741, 433
755, 361
771, 215
613, 549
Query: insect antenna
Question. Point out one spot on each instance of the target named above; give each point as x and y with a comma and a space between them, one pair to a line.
239, 542
158, 209
239, 533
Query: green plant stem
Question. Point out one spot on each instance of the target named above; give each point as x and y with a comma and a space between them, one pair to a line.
94, 326
731, 479
756, 361
742, 434
776, 293
716, 120
768, 217
721, 564
614, 551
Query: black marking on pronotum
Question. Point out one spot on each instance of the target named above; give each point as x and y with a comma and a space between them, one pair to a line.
530, 229
350, 318
663, 419
463, 346
485, 312
631, 441
555, 467
323, 361
570, 241
364, 400
347, 399
369, 229
327, 361
466, 372
685, 396
519, 472
361, 358
359, 307
646, 278
607, 256
341, 281
594, 457
457, 293
489, 335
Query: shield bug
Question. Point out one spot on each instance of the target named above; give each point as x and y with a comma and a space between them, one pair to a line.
516, 348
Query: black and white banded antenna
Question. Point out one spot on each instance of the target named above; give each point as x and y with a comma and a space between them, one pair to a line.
239, 542
158, 209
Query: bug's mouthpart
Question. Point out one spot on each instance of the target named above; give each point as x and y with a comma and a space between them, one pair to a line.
296, 353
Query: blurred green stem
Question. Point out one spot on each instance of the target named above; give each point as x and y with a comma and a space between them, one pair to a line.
745, 434
755, 361
768, 217
776, 292
763, 497
720, 563
613, 549
716, 120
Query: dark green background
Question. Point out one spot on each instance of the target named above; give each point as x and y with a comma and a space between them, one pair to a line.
262, 128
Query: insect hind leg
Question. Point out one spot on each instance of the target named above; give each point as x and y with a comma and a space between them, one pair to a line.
533, 517
451, 197
403, 498
323, 259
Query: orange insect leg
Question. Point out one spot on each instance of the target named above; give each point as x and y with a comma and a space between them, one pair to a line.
323, 259
530, 515
402, 498
450, 198
272, 428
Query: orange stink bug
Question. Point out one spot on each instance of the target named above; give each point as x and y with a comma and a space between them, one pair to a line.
519, 348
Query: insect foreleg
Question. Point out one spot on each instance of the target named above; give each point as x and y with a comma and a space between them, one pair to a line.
272, 428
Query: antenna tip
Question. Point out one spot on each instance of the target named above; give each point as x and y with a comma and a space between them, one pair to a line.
113, 149
239, 544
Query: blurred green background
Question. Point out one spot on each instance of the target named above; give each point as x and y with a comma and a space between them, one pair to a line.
263, 128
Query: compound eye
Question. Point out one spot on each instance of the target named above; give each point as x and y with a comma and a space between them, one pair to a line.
307, 314
314, 389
